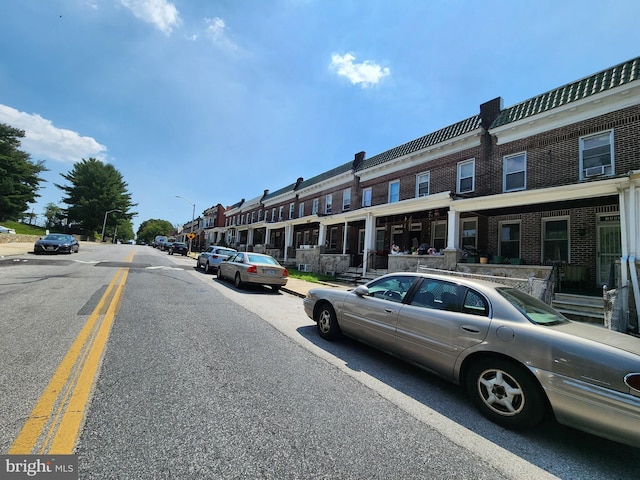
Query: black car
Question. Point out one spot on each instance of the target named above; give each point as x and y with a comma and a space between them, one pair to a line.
56, 243
178, 247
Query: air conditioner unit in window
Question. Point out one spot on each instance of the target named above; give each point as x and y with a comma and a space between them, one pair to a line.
594, 171
303, 267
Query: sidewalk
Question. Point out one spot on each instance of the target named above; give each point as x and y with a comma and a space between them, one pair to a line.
294, 286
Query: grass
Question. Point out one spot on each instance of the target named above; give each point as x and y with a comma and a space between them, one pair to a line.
310, 277
23, 228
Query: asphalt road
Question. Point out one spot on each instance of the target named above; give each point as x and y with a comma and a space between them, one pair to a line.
200, 380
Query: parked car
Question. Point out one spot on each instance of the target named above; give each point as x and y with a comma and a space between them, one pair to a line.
256, 268
7, 230
212, 256
517, 357
179, 247
56, 243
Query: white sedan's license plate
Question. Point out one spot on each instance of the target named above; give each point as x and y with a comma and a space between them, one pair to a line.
270, 271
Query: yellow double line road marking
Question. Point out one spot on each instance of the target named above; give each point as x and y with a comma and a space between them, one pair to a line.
54, 423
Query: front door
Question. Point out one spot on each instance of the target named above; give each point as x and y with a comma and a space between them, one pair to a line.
609, 246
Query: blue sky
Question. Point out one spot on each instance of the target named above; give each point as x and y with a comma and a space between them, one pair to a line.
215, 101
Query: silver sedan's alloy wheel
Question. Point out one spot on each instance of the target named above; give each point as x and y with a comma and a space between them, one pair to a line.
237, 280
328, 327
506, 393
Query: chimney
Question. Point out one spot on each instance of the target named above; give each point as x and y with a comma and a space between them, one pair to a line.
357, 160
298, 182
489, 111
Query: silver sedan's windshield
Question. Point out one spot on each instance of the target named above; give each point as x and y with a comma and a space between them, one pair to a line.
535, 310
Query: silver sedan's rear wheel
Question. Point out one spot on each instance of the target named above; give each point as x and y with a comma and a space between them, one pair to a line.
506, 393
207, 267
325, 317
220, 276
237, 281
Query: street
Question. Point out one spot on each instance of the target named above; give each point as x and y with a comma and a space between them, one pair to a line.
201, 380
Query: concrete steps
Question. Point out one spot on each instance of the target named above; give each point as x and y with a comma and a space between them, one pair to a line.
580, 307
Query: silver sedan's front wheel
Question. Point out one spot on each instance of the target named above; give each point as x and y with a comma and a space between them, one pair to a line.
325, 317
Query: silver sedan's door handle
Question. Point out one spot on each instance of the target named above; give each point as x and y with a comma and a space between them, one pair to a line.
470, 328
389, 310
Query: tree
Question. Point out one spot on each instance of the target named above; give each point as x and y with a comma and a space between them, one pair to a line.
150, 229
19, 176
54, 216
95, 189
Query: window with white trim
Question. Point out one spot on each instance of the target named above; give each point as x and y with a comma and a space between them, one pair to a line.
328, 203
273, 214
596, 155
366, 197
514, 172
422, 184
466, 176
301, 210
346, 199
469, 232
314, 206
394, 191
280, 211
292, 210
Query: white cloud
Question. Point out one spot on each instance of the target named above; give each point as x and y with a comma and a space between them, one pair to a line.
43, 140
365, 73
160, 13
216, 30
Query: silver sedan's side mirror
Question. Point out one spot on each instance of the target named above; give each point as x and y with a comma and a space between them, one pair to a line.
361, 290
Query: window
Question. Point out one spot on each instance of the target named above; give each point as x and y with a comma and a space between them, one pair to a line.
314, 207
469, 232
280, 210
555, 243
273, 214
292, 210
328, 203
253, 216
301, 210
509, 243
515, 172
259, 215
596, 155
466, 176
346, 199
380, 243
394, 191
422, 184
439, 234
366, 197
392, 289
333, 238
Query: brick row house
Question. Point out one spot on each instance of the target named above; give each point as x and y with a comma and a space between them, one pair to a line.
551, 181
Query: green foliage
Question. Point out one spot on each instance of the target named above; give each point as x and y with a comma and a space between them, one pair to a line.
310, 277
24, 228
150, 229
96, 188
53, 215
19, 176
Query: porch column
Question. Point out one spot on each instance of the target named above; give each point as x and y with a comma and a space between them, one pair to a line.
453, 229
369, 239
267, 237
344, 238
250, 237
288, 239
322, 234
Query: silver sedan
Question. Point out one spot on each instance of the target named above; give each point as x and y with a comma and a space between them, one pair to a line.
256, 268
518, 359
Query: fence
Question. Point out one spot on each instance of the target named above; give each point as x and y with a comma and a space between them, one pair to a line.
536, 287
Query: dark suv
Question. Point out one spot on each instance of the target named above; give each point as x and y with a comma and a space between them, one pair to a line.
178, 247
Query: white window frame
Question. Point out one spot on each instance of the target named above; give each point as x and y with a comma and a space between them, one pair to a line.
273, 214
292, 210
314, 206
301, 210
506, 172
393, 196
280, 212
422, 179
460, 178
473, 220
367, 196
346, 199
328, 203
604, 170
503, 223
